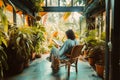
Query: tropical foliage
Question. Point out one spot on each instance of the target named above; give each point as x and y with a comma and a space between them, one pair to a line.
3, 41
3, 56
20, 42
26, 40
4, 22
38, 37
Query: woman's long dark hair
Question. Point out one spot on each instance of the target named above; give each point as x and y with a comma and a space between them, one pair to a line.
70, 34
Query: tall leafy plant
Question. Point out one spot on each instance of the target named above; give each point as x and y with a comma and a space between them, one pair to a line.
3, 56
3, 41
38, 37
90, 38
20, 42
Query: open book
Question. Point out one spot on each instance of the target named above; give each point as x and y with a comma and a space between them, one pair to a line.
58, 42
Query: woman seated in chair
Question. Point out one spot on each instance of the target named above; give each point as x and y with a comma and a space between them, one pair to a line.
66, 47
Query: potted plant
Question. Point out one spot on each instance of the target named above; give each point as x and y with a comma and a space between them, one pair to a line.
3, 41
3, 62
91, 42
90, 57
100, 62
19, 49
96, 57
3, 56
38, 39
97, 50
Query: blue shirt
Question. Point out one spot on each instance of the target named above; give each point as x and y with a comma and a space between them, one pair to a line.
67, 47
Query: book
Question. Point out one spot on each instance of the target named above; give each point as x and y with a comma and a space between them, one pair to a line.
58, 42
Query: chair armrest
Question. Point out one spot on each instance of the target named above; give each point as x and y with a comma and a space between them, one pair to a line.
68, 55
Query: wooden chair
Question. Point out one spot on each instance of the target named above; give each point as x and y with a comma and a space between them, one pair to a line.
72, 59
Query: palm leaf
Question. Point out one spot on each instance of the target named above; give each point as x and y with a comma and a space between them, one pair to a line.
1, 70
4, 41
3, 63
4, 20
66, 15
18, 40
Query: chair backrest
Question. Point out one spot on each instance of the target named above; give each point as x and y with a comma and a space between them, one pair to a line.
76, 51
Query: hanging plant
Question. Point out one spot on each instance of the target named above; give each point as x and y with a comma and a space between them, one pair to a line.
37, 5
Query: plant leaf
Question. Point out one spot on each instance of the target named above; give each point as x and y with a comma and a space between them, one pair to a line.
18, 40
4, 41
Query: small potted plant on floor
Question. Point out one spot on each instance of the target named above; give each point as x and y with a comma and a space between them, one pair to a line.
91, 44
99, 66
100, 60
90, 57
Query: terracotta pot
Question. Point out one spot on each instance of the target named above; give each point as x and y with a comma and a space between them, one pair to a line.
20, 67
91, 61
85, 54
27, 63
99, 69
13, 70
33, 56
38, 55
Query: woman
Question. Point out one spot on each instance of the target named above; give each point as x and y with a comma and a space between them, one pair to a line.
66, 47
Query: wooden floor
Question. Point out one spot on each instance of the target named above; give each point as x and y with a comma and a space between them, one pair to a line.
40, 69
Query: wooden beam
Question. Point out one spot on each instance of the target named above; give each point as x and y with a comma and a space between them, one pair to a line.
63, 9
23, 7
